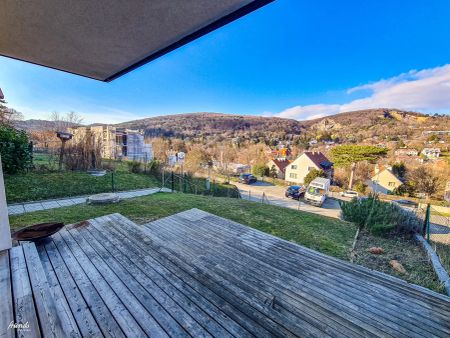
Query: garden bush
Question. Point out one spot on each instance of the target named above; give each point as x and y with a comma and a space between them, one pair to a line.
15, 149
379, 217
361, 187
135, 167
154, 167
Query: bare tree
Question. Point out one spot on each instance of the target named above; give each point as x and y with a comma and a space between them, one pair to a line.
61, 122
8, 115
424, 181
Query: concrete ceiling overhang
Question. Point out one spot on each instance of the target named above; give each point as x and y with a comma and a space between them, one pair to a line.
104, 39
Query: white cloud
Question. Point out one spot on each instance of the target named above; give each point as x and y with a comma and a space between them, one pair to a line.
312, 111
426, 91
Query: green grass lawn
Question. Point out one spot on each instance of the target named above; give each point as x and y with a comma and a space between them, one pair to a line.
327, 235
40, 186
324, 234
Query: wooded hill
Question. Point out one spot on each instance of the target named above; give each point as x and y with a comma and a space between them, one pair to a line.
352, 126
206, 125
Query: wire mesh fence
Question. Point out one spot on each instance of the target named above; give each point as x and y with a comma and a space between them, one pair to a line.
193, 185
436, 229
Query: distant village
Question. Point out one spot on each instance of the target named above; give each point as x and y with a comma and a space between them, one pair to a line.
284, 161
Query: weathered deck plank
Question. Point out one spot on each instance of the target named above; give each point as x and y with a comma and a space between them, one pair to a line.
273, 275
50, 323
62, 307
111, 291
237, 310
250, 246
365, 277
239, 270
66, 266
196, 274
6, 301
151, 316
181, 308
25, 311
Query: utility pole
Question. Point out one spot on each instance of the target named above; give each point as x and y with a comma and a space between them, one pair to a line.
352, 173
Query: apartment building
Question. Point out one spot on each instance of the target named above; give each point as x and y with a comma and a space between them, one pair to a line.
116, 143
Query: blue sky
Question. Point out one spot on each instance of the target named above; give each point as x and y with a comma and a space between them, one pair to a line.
293, 58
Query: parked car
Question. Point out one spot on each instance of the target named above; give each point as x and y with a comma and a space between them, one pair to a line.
294, 191
349, 193
407, 203
247, 178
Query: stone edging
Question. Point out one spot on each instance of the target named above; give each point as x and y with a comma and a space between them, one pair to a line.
435, 261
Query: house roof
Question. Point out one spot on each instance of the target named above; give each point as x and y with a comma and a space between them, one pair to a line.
388, 172
105, 39
281, 164
319, 159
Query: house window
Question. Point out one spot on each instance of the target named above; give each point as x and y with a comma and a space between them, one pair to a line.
391, 184
294, 166
292, 175
310, 168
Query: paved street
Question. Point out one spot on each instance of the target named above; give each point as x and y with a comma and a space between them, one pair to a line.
275, 195
439, 227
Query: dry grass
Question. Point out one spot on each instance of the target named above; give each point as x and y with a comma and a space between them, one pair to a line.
406, 251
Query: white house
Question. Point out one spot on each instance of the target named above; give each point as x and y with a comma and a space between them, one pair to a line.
406, 152
300, 167
431, 152
384, 181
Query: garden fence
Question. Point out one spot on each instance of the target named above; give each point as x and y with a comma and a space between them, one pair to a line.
436, 229
192, 185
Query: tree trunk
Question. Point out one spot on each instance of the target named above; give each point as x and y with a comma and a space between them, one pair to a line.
352, 173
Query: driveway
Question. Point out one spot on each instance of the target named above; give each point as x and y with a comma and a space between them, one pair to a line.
274, 194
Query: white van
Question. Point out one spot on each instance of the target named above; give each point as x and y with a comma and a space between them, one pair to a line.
317, 191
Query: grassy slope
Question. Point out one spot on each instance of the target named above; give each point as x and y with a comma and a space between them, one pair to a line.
327, 235
41, 186
413, 258
320, 233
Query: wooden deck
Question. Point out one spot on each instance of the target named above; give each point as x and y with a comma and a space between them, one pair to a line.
196, 274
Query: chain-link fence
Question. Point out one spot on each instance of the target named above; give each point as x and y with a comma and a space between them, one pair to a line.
193, 185
436, 229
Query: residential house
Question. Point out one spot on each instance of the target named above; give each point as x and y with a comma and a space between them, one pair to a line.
279, 165
406, 152
384, 181
436, 132
300, 167
431, 152
231, 168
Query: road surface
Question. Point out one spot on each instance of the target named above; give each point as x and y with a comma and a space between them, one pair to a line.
275, 195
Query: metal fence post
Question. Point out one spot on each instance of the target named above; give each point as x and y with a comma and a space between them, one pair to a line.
112, 181
426, 223
172, 181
